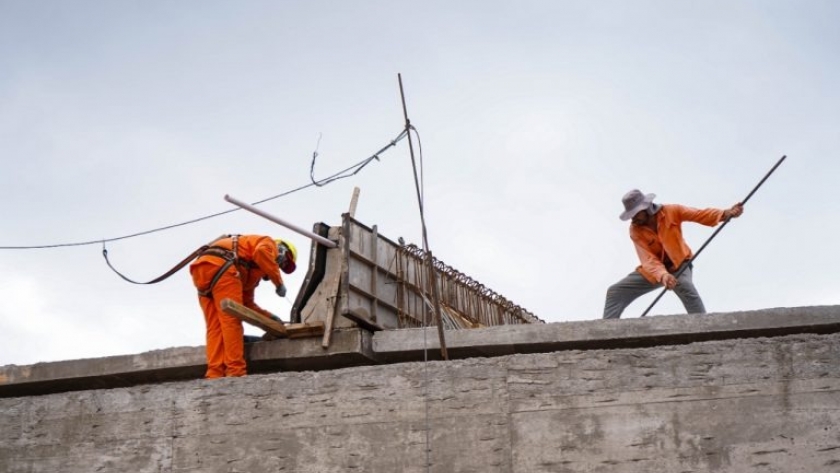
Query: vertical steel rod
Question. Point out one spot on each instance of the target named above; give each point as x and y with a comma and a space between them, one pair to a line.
432, 278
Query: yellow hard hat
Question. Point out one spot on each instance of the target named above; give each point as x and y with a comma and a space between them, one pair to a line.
290, 264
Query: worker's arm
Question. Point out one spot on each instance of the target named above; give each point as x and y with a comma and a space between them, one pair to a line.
248, 301
650, 262
669, 281
265, 257
708, 217
733, 212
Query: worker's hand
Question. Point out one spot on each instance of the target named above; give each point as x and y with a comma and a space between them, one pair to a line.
275, 318
281, 290
733, 212
669, 281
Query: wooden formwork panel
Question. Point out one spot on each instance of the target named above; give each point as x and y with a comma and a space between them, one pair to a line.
379, 284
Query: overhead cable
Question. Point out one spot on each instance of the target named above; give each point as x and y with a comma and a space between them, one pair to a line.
350, 171
358, 167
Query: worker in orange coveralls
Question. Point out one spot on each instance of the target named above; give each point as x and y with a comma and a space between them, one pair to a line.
231, 268
656, 232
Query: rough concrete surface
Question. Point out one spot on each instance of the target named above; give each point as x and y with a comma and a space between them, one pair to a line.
733, 405
409, 345
355, 347
349, 347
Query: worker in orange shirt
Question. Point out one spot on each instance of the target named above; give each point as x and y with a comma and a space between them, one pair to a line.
656, 231
231, 268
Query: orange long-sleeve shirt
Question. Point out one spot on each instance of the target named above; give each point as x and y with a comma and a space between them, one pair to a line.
653, 247
262, 252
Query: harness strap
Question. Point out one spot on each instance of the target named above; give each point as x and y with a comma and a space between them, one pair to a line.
231, 257
160, 278
195, 254
227, 254
209, 291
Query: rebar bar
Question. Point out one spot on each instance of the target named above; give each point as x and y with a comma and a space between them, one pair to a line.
460, 294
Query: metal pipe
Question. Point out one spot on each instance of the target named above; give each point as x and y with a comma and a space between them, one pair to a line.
290, 226
743, 202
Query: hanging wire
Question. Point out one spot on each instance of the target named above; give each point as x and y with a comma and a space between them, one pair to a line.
358, 167
420, 151
339, 175
426, 312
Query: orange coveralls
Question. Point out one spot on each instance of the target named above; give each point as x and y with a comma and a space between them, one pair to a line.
653, 248
256, 258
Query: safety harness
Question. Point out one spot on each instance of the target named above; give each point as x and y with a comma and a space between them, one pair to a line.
231, 257
211, 249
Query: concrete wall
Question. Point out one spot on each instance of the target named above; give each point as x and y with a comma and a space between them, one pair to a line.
733, 405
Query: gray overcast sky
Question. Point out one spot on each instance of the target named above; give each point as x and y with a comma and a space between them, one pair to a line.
535, 118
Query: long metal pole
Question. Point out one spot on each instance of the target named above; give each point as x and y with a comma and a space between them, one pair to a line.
432, 278
693, 258
431, 272
314, 236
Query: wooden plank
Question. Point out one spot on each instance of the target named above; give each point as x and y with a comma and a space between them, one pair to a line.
305, 330
253, 317
272, 327
328, 328
373, 289
354, 201
334, 283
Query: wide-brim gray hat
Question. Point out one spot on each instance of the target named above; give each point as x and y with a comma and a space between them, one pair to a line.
634, 202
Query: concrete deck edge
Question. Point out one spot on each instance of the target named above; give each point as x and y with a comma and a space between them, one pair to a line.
355, 347
408, 345
348, 348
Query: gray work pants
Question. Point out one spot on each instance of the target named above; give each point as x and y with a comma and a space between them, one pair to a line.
624, 292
